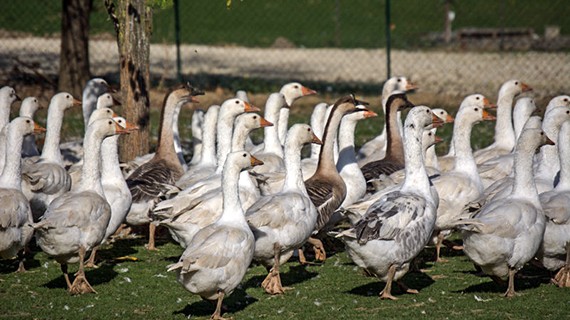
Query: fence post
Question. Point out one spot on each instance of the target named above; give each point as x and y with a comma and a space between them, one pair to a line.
388, 40
177, 36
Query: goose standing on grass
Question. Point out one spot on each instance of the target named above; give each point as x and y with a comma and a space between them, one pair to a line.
282, 222
15, 213
375, 149
326, 188
505, 140
216, 260
46, 178
456, 188
397, 227
291, 91
394, 159
153, 178
554, 252
75, 222
115, 187
28, 108
505, 234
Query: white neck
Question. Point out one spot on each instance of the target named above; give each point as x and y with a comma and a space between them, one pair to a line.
431, 158
525, 186
209, 137
91, 170
176, 137
294, 174
416, 179
271, 135
317, 124
232, 211
504, 131
51, 150
12, 173
225, 128
110, 160
5, 111
464, 161
563, 144
548, 159
283, 124
347, 154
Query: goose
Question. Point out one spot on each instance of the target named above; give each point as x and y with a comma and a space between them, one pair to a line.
554, 252
375, 149
185, 214
75, 222
504, 141
15, 212
318, 120
505, 234
398, 225
461, 185
561, 100
115, 187
28, 108
91, 92
156, 177
291, 91
282, 222
45, 178
216, 260
326, 188
394, 159
228, 112
430, 159
197, 137
7, 98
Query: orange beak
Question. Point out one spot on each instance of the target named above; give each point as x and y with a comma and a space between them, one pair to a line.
436, 121
525, 87
306, 91
131, 126
255, 161
449, 119
370, 114
250, 107
38, 129
411, 86
438, 139
76, 103
265, 123
316, 140
487, 116
120, 130
488, 105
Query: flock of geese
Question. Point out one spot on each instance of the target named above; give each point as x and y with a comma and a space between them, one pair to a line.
236, 202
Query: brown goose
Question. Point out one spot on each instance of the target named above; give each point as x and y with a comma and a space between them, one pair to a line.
151, 179
394, 159
326, 187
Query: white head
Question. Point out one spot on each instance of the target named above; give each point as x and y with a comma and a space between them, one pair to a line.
294, 90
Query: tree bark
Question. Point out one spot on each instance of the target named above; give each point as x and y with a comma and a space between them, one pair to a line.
74, 57
133, 24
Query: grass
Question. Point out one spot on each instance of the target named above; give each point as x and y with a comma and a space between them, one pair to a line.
337, 288
315, 23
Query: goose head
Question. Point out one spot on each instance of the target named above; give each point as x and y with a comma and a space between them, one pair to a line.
103, 113
123, 123
63, 101
514, 88
29, 107
239, 105
429, 138
106, 127
422, 116
242, 159
398, 84
107, 100
25, 126
443, 115
251, 121
303, 134
398, 101
293, 91
8, 95
562, 100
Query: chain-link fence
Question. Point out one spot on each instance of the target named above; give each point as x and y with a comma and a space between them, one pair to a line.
454, 47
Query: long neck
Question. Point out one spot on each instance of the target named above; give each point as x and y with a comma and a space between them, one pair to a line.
549, 162
395, 148
294, 174
176, 137
431, 158
326, 157
232, 210
209, 137
464, 161
504, 132
225, 127
239, 137
271, 134
416, 177
5, 112
563, 144
91, 171
317, 123
165, 146
525, 186
51, 150
110, 160
283, 124
347, 153
12, 174
88, 103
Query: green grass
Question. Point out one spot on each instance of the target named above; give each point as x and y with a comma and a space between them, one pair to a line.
315, 23
143, 289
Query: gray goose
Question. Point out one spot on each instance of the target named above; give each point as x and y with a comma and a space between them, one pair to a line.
326, 188
151, 179
394, 159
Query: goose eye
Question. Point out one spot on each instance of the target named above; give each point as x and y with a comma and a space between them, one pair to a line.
245, 155
237, 101
441, 112
35, 100
309, 130
568, 112
399, 80
542, 133
516, 83
108, 111
110, 122
27, 121
476, 109
296, 86
565, 99
429, 134
67, 96
254, 117
427, 111
477, 98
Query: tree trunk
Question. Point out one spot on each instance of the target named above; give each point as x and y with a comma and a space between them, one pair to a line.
74, 57
133, 23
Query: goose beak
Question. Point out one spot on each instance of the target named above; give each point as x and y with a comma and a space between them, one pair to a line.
411, 86
76, 103
38, 129
129, 126
488, 105
525, 87
306, 91
115, 101
436, 121
120, 130
316, 140
449, 119
370, 114
488, 117
438, 139
549, 141
255, 162
264, 123
193, 99
18, 98
250, 108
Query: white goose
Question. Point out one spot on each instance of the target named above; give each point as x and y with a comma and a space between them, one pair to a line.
28, 108
282, 222
7, 98
318, 121
504, 133
554, 252
15, 213
45, 179
197, 136
505, 234
291, 91
398, 226
76, 221
216, 260
91, 92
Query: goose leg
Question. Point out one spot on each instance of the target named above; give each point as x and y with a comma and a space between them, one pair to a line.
562, 278
272, 283
218, 313
405, 288
320, 253
66, 275
438, 258
80, 285
151, 231
90, 263
387, 292
511, 289
21, 258
302, 259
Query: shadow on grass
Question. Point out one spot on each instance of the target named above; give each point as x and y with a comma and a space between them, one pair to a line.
294, 275
416, 280
237, 301
100, 275
10, 266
